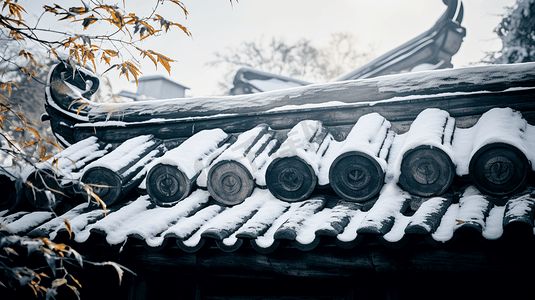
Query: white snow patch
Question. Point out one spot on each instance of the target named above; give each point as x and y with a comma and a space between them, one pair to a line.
519, 206
350, 231
229, 218
128, 151
389, 204
397, 231
310, 105
59, 221
427, 80
266, 240
327, 160
29, 221
493, 229
299, 143
306, 233
368, 136
187, 226
502, 125
429, 128
112, 221
262, 161
149, 223
238, 151
472, 208
445, 230
428, 208
193, 155
272, 209
273, 84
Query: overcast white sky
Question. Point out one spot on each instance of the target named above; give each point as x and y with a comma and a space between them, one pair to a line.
386, 24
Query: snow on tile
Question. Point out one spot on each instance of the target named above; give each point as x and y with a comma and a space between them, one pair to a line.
142, 220
493, 229
462, 145
498, 125
13, 217
339, 217
427, 217
59, 221
112, 222
473, 208
432, 127
128, 151
448, 222
136, 170
262, 161
245, 141
267, 214
244, 150
28, 221
406, 83
268, 238
273, 84
302, 142
395, 150
73, 158
296, 222
350, 231
381, 217
230, 219
368, 136
397, 231
227, 227
186, 227
193, 155
203, 176
520, 209
79, 223
148, 224
331, 153
306, 233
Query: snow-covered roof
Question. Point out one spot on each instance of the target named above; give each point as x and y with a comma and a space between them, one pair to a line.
394, 217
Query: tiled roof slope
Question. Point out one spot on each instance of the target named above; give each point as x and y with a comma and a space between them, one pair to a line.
264, 221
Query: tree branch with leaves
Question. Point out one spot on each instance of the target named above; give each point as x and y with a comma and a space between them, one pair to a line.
101, 34
301, 59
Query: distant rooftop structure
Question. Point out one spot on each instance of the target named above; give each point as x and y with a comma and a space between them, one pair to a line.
431, 50
247, 81
156, 87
